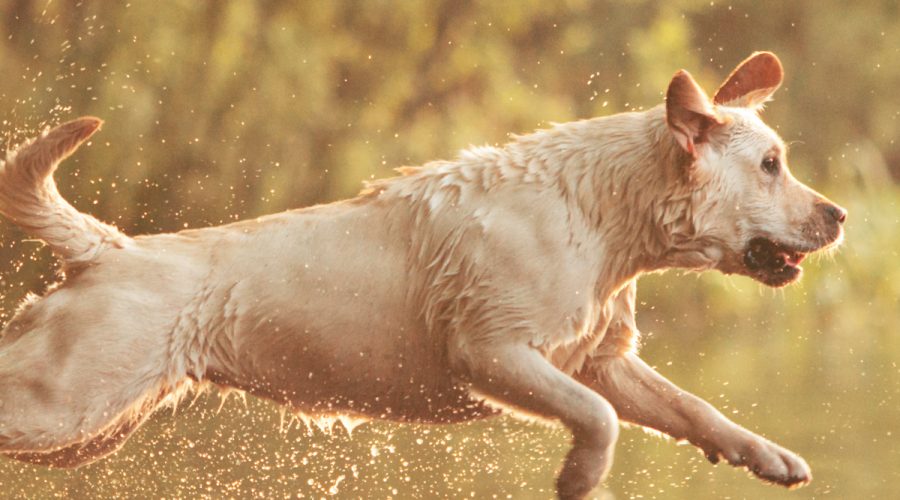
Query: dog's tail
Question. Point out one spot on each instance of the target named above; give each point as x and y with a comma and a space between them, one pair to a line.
28, 195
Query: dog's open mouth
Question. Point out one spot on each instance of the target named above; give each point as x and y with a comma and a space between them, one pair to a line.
773, 263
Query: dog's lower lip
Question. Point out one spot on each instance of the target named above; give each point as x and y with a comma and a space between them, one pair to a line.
773, 263
794, 259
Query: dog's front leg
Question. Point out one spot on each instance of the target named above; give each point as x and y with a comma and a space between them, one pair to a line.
644, 397
519, 377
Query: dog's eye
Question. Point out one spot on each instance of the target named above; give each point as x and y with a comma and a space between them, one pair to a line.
771, 165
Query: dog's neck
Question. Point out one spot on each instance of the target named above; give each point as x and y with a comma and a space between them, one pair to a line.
626, 177
623, 178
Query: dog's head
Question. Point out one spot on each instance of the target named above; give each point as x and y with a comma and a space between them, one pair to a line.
753, 217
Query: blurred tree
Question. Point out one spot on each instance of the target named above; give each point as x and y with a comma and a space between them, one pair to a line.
218, 111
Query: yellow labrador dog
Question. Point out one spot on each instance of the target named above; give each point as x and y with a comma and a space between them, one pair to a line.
503, 280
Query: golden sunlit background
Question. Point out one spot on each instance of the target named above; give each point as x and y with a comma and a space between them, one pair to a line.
218, 111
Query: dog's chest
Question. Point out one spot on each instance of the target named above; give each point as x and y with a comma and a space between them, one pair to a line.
584, 320
606, 326
572, 305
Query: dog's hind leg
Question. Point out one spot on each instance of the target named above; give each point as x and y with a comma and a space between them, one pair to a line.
644, 397
75, 369
106, 443
78, 371
519, 377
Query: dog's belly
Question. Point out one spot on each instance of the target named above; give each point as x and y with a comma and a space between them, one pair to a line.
358, 355
395, 378
319, 318
316, 313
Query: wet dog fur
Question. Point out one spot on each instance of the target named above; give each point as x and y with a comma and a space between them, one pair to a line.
503, 280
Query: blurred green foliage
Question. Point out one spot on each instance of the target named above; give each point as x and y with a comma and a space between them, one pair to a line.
219, 111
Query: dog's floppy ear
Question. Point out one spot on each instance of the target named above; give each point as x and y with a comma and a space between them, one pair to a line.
689, 112
752, 82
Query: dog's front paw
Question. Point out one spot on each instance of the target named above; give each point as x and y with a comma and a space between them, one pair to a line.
766, 460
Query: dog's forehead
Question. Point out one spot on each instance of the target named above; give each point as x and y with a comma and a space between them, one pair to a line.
749, 132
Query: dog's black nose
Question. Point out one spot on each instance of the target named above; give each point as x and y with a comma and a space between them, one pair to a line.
835, 212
